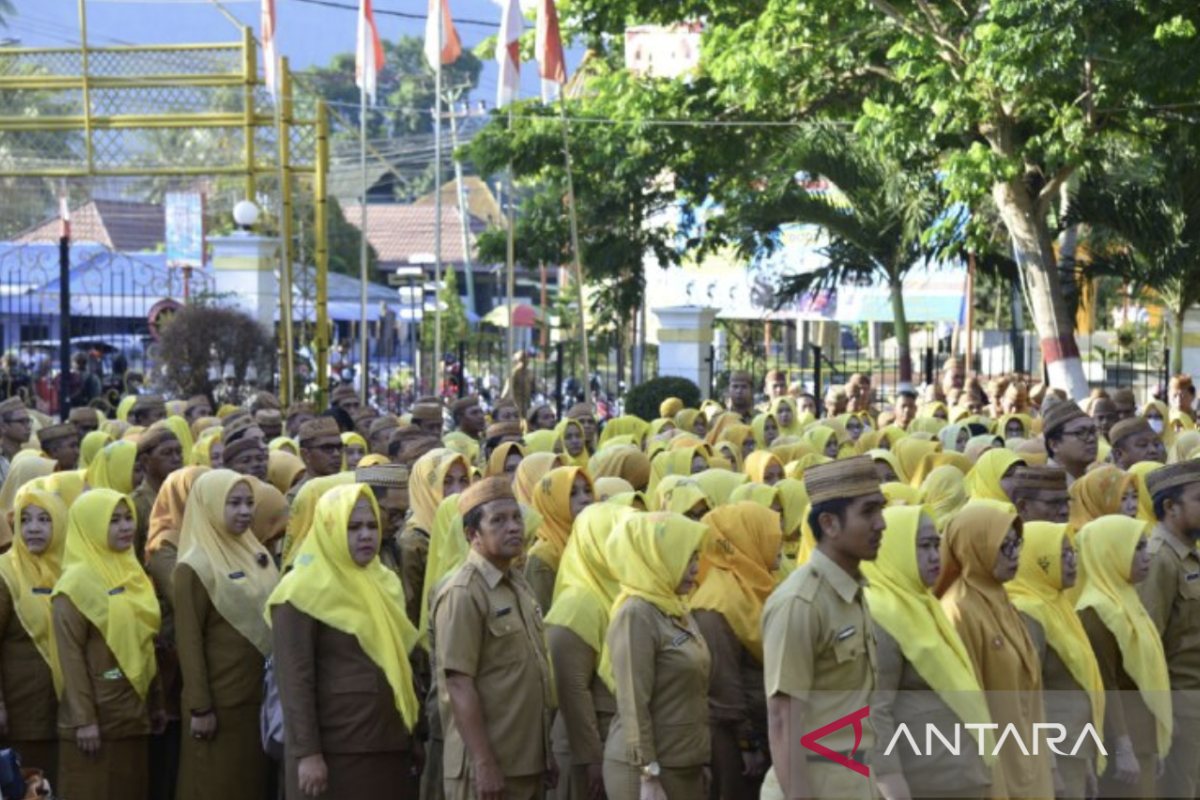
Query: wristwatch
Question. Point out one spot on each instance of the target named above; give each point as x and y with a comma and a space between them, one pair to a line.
651, 771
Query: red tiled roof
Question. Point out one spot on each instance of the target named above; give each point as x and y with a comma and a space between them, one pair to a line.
398, 232
123, 225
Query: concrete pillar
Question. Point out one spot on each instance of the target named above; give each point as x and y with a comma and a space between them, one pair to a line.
685, 334
244, 274
1191, 342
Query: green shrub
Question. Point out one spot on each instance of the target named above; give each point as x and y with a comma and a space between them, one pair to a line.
643, 400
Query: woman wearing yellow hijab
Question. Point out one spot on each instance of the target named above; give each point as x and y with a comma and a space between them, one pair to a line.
621, 461
340, 615
28, 573
1070, 674
222, 582
655, 659
741, 437
542, 441
764, 466
1137, 721
691, 420
559, 497
91, 445
23, 471
685, 461
575, 632
925, 674
105, 621
183, 432
682, 495
992, 475
209, 451
983, 542
627, 425
943, 493
1139, 472
355, 449
910, 452
572, 442
437, 475
505, 460
766, 430
824, 441
784, 411
1102, 491
742, 553
116, 468
284, 469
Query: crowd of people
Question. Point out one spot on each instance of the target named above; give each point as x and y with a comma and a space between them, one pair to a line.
252, 602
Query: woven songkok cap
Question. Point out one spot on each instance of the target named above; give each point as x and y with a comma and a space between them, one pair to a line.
54, 433
1040, 479
149, 401
841, 480
296, 409
266, 401
581, 410
1129, 427
392, 475
427, 411
384, 423
84, 415
1123, 397
1059, 414
343, 392
268, 415
1173, 475
458, 406
10, 405
156, 435
499, 429
740, 375
485, 491
241, 446
318, 428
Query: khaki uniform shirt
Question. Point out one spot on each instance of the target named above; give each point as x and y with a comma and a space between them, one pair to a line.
819, 648
1171, 594
490, 628
414, 553
143, 498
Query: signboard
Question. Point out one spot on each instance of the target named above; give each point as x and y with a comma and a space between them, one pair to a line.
185, 230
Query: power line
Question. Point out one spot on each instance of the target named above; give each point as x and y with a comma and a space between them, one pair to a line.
383, 12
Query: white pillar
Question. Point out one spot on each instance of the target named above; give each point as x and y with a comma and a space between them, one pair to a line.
244, 274
1191, 342
685, 336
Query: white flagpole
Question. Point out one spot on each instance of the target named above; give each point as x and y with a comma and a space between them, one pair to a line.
583, 329
437, 204
363, 371
512, 247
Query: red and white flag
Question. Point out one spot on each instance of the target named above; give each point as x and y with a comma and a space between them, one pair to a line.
442, 45
270, 56
552, 66
368, 56
508, 53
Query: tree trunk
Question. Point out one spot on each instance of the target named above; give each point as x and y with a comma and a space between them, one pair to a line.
1032, 242
900, 320
1177, 341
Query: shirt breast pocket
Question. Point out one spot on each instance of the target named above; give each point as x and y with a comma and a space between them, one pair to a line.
506, 644
1189, 596
849, 647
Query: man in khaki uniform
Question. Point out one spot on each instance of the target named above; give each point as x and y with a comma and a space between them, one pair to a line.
819, 647
493, 673
321, 449
1171, 594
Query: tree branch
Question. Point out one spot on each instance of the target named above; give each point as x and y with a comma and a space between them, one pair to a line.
1052, 187
912, 29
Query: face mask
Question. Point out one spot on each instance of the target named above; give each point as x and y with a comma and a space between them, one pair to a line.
1156, 424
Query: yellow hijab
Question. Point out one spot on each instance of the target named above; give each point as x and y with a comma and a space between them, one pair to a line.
498, 457
1185, 446
679, 493
284, 443
610, 487
719, 484
30, 578
743, 546
202, 452
533, 468
125, 406
757, 493
364, 602
183, 432
560, 431
943, 493
237, 571
627, 425
909, 453
586, 587
1106, 547
983, 482
166, 515
91, 445
113, 468
685, 420
22, 472
110, 589
448, 550
757, 464
797, 424
1097, 494
304, 512
552, 500
66, 485
541, 441
903, 606
1139, 472
1039, 592
621, 461
426, 485
649, 554
283, 469
352, 439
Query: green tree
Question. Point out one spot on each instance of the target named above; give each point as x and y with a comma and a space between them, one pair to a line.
1144, 216
455, 326
1013, 96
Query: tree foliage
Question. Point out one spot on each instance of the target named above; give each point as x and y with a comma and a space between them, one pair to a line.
203, 339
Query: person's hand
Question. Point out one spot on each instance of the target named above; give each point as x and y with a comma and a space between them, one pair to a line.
489, 781
892, 786
158, 722
595, 782
652, 789
313, 775
204, 727
87, 739
754, 763
1128, 769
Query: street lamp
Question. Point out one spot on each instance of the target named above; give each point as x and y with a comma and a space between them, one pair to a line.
411, 277
245, 214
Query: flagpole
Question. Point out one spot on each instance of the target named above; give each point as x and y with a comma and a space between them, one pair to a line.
512, 247
583, 336
437, 225
362, 254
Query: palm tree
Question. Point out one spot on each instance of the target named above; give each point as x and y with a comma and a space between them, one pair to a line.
876, 218
1144, 216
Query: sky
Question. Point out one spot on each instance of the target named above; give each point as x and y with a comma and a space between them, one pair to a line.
309, 33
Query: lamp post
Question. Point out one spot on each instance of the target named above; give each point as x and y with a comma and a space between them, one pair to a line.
411, 278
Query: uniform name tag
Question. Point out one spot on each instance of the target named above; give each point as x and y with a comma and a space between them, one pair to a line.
846, 633
116, 591
113, 674
1192, 576
38, 590
679, 640
503, 612
237, 575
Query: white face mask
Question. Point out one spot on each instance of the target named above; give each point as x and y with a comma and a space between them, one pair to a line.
1156, 424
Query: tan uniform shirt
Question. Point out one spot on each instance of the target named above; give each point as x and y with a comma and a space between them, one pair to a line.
414, 552
143, 498
490, 629
661, 666
585, 705
28, 688
1065, 701
819, 647
540, 578
1171, 594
